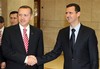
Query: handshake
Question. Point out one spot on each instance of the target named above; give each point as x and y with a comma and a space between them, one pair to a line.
31, 60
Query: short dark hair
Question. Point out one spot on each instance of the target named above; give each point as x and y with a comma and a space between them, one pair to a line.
13, 12
77, 7
25, 6
1, 19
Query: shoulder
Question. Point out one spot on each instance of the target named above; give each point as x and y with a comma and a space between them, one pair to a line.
10, 27
86, 28
66, 29
35, 29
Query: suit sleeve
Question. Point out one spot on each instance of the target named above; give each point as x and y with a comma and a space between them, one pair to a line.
40, 49
52, 54
8, 50
93, 50
2, 59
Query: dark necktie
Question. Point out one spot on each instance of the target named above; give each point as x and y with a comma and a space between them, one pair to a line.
72, 39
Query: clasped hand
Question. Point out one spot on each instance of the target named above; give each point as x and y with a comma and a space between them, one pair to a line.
31, 60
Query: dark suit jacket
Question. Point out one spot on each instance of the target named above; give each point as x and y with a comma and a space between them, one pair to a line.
13, 47
2, 59
85, 54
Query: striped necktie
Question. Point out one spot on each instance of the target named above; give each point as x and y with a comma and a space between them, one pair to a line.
25, 39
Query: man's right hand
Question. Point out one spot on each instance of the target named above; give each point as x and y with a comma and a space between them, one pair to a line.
3, 65
31, 60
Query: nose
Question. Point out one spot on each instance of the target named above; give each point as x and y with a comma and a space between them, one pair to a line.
22, 16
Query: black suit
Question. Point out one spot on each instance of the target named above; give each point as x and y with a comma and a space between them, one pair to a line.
13, 47
2, 59
85, 53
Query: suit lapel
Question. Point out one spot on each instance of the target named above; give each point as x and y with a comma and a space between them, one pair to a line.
19, 38
68, 40
67, 35
31, 37
31, 33
79, 37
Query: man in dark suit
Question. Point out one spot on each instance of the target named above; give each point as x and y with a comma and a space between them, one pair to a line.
80, 51
20, 42
2, 60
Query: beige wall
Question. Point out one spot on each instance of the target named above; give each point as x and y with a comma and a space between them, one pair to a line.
10, 5
53, 18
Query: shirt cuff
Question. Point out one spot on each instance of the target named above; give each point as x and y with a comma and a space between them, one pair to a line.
26, 59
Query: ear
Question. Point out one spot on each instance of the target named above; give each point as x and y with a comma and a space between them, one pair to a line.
31, 17
78, 14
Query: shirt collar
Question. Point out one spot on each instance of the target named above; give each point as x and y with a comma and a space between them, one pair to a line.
2, 28
28, 29
23, 27
76, 27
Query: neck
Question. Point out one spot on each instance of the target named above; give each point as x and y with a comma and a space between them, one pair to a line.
74, 24
24, 26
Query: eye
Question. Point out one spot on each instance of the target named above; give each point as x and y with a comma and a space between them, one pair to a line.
25, 15
19, 15
70, 12
15, 18
66, 12
11, 18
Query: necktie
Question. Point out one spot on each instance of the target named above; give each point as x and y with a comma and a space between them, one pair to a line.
72, 39
0, 37
25, 39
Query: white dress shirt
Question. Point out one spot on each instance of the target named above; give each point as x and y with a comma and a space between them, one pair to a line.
28, 29
2, 29
76, 31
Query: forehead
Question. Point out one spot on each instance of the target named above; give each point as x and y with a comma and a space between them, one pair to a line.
24, 10
1, 23
13, 15
72, 8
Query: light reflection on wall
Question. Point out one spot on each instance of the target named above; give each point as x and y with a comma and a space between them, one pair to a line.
35, 13
0, 9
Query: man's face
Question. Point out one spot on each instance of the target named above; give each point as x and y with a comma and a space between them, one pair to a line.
24, 16
71, 15
14, 19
